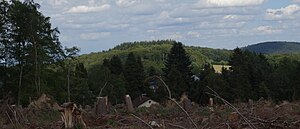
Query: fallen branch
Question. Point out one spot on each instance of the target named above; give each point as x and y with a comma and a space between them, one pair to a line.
178, 126
296, 122
159, 78
14, 112
11, 121
99, 95
264, 121
231, 106
196, 127
141, 120
228, 126
204, 126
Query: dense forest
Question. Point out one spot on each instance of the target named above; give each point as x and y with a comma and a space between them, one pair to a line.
34, 62
278, 47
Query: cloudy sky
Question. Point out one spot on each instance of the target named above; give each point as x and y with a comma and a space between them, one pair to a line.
96, 25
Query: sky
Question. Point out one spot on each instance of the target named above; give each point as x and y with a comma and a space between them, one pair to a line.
97, 25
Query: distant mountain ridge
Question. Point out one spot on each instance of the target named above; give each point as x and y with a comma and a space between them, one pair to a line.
275, 47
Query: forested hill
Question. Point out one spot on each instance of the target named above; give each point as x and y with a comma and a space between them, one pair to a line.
153, 53
275, 47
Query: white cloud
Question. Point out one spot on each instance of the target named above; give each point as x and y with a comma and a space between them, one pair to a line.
57, 2
217, 21
88, 9
152, 31
230, 3
95, 36
164, 15
267, 30
236, 18
230, 17
126, 3
296, 1
193, 34
289, 12
174, 36
220, 25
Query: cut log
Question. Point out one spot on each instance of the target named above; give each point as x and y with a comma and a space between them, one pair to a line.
128, 102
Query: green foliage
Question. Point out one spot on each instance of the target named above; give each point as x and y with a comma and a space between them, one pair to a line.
116, 66
109, 84
283, 80
249, 73
32, 62
28, 46
154, 53
275, 47
134, 75
177, 71
79, 88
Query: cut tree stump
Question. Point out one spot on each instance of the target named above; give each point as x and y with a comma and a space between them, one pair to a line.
101, 105
187, 104
128, 102
71, 115
211, 102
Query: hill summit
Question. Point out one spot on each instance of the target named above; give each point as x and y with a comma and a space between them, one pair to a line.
276, 47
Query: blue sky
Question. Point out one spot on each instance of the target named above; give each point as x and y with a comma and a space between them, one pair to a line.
96, 25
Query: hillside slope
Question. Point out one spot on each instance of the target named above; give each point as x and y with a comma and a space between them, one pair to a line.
275, 48
153, 53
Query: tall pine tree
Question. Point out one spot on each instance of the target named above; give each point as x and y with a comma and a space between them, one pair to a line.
116, 66
248, 75
134, 75
177, 71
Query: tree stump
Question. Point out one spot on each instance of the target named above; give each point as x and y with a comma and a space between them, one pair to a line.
211, 102
101, 105
187, 104
128, 102
71, 115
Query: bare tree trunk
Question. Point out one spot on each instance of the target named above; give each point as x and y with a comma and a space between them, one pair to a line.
68, 76
37, 84
20, 84
39, 79
36, 67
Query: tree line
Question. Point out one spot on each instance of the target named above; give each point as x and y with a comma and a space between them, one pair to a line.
251, 76
34, 62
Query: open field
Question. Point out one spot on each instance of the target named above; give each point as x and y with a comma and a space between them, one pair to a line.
218, 68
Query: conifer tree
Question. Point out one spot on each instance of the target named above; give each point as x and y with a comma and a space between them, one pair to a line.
134, 75
80, 92
177, 71
248, 75
116, 66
